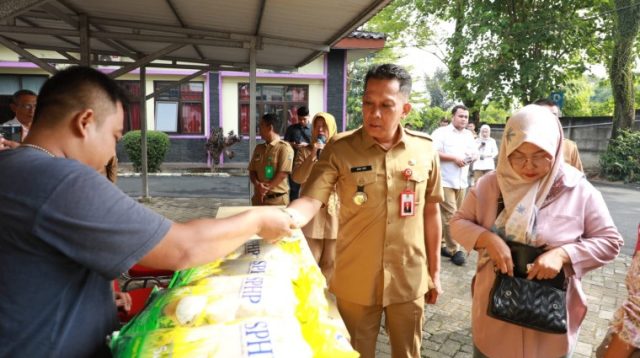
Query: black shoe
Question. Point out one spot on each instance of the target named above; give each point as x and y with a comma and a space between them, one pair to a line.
444, 252
458, 258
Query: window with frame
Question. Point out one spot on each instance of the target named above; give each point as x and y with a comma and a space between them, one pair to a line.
283, 100
132, 115
9, 84
180, 109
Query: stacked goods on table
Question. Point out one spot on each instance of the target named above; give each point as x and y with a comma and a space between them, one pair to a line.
263, 300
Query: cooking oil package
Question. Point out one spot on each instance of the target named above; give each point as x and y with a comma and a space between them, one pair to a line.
218, 300
255, 256
250, 338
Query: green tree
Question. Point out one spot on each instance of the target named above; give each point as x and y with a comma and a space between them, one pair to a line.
403, 25
435, 86
577, 100
519, 49
625, 30
494, 113
601, 100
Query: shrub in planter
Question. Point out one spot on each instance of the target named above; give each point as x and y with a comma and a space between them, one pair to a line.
157, 146
621, 161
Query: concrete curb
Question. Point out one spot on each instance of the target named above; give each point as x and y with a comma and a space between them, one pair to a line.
222, 175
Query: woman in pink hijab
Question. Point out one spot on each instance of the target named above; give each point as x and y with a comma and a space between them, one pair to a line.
546, 203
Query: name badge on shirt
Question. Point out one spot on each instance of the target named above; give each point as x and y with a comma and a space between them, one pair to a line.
407, 203
364, 168
407, 196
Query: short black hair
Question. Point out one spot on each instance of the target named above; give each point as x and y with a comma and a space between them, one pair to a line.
389, 71
303, 111
271, 119
545, 102
457, 107
78, 88
23, 92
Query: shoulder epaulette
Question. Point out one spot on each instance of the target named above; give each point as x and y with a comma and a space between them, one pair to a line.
418, 134
339, 136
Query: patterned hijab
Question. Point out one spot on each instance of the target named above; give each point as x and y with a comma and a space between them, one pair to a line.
331, 125
536, 125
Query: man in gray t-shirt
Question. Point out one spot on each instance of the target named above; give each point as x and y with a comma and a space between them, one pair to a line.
66, 232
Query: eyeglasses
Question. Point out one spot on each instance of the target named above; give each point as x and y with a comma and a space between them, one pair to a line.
27, 106
536, 160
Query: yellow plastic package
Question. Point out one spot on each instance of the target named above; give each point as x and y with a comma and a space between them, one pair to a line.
271, 261
218, 300
251, 338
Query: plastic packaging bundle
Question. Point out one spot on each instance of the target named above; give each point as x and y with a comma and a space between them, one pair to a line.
255, 256
218, 300
256, 337
262, 300
328, 338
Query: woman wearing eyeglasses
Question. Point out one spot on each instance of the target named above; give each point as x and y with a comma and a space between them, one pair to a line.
545, 204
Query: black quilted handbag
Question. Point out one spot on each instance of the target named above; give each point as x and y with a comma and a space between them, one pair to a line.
535, 304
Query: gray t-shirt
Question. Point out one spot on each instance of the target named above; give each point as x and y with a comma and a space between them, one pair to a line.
65, 234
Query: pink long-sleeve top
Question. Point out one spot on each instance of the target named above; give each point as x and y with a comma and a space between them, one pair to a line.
578, 220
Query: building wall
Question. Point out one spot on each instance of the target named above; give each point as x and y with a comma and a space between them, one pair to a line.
324, 76
591, 134
230, 104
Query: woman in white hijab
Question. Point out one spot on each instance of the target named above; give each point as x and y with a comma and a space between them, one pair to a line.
488, 151
546, 203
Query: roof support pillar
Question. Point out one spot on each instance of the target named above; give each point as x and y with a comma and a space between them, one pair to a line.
252, 105
143, 131
83, 27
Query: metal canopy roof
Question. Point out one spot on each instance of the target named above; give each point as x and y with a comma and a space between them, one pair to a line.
211, 34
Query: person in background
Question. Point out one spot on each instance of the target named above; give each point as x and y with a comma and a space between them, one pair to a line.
270, 165
63, 244
387, 257
444, 121
299, 136
23, 104
546, 204
569, 147
457, 150
472, 127
322, 231
623, 338
488, 150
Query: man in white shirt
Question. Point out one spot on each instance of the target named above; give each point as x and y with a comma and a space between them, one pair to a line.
457, 150
23, 104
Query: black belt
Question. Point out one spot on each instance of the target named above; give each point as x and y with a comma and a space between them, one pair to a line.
274, 195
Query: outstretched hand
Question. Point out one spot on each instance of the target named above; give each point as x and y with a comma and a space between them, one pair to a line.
276, 224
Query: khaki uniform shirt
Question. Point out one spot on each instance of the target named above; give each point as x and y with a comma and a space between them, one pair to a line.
281, 155
571, 155
380, 256
324, 224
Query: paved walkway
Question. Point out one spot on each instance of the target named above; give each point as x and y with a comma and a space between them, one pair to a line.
447, 325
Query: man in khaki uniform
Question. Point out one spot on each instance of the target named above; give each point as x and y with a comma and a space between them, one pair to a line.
270, 165
569, 147
388, 249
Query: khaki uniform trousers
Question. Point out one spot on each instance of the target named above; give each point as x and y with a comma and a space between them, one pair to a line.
452, 201
403, 322
278, 200
477, 174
